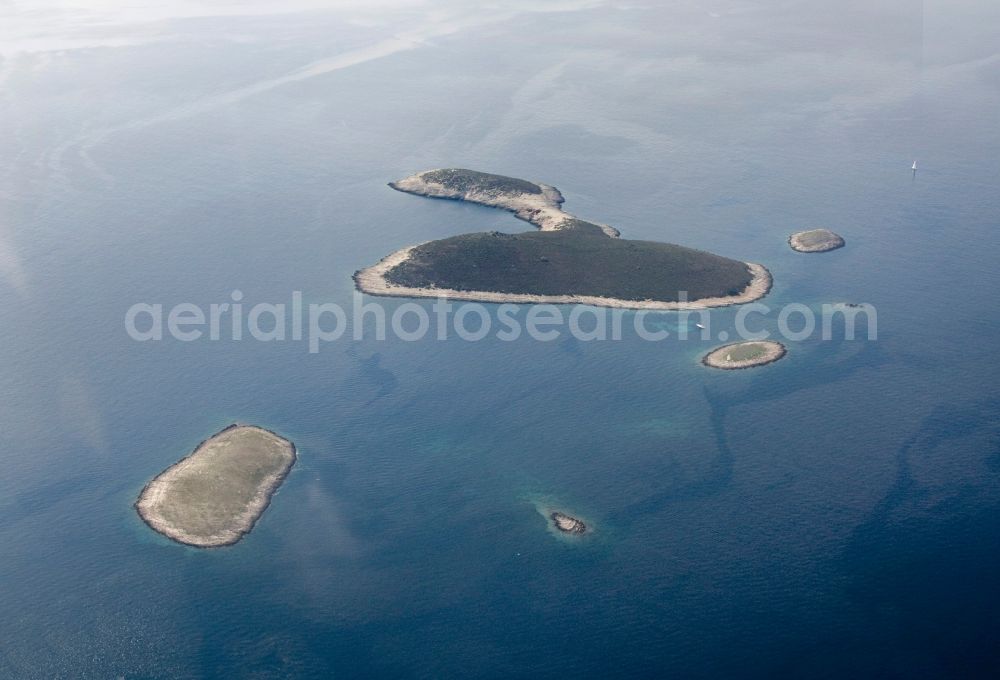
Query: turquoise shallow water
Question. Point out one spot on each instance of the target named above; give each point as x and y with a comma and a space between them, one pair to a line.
833, 514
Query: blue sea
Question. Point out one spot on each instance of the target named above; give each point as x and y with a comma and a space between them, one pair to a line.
835, 514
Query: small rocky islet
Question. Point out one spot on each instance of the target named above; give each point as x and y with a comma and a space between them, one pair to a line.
744, 354
815, 241
567, 524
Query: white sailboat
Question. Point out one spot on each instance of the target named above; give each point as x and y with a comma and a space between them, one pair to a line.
914, 168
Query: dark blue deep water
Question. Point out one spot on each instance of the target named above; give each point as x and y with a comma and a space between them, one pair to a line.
836, 514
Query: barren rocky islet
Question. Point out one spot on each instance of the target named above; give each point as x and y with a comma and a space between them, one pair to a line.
815, 241
214, 496
567, 524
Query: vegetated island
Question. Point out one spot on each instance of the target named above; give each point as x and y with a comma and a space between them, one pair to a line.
568, 260
567, 523
214, 496
744, 354
815, 241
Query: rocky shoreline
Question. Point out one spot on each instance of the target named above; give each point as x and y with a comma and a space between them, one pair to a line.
543, 210
372, 280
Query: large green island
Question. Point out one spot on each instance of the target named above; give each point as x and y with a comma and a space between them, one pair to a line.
568, 260
214, 496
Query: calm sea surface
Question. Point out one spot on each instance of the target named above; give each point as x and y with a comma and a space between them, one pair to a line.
836, 514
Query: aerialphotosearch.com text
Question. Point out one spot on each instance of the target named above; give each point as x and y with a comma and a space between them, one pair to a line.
321, 323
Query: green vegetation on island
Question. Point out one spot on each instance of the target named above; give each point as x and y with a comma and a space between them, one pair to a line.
744, 354
570, 263
539, 204
568, 260
815, 241
214, 496
466, 181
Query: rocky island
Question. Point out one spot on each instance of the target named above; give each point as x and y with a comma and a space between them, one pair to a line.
567, 524
815, 241
214, 496
568, 260
744, 354
536, 203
